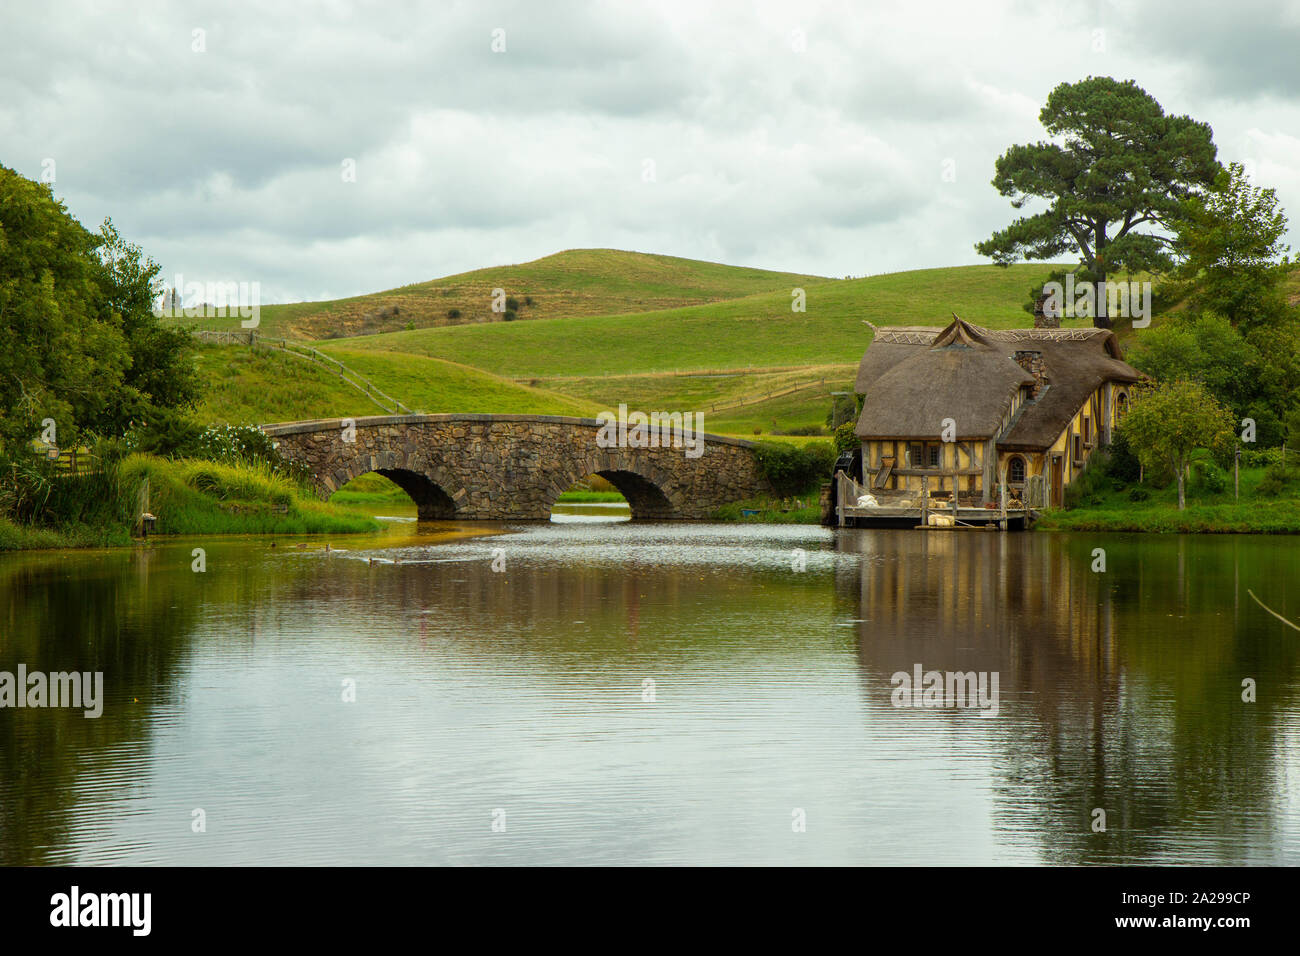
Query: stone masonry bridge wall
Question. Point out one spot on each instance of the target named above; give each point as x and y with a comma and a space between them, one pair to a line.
513, 467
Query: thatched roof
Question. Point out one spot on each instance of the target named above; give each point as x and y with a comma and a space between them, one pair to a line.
913, 377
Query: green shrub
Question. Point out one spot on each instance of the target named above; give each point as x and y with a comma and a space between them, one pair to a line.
1263, 457
1207, 476
1092, 481
233, 444
33, 492
1271, 485
845, 439
792, 470
1122, 465
167, 434
1138, 493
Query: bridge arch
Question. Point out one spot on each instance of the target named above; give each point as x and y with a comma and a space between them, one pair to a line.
434, 492
648, 491
432, 503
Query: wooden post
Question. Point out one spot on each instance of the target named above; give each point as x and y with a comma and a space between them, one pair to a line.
990, 471
925, 500
1002, 498
1236, 474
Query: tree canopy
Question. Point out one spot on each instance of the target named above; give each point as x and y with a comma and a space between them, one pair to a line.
79, 343
1168, 422
1117, 182
1231, 252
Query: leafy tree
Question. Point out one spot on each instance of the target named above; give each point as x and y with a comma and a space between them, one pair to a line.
79, 343
1169, 422
1122, 164
1204, 349
1292, 426
59, 358
160, 375
1233, 257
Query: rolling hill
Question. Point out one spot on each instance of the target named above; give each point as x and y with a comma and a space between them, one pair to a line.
755, 330
656, 332
577, 282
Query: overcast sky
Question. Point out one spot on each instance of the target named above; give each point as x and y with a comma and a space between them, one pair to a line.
837, 139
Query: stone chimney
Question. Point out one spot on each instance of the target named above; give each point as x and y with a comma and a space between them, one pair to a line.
1042, 320
1032, 362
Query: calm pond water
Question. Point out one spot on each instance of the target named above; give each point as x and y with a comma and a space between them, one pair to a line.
654, 693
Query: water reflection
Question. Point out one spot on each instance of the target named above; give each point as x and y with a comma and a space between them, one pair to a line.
1121, 690
654, 693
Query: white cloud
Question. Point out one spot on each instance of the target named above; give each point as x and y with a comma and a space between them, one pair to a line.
790, 136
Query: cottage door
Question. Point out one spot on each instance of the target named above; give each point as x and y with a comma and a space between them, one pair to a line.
1058, 480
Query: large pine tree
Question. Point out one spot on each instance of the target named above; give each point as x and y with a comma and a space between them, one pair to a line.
1116, 182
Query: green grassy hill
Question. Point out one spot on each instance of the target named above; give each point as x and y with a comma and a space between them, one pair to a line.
756, 330
246, 386
736, 352
573, 283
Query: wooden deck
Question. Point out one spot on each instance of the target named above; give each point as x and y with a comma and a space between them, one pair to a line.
853, 516
850, 514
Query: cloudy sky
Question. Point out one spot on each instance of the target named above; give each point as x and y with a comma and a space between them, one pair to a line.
328, 149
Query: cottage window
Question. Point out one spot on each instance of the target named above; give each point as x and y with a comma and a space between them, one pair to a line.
924, 455
1087, 430
1016, 471
1121, 405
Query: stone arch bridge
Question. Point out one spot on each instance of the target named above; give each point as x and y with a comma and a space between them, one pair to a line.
513, 467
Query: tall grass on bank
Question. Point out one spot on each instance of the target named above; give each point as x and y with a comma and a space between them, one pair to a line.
202, 497
43, 508
22, 537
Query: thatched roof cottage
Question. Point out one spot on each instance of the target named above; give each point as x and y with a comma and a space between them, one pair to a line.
967, 408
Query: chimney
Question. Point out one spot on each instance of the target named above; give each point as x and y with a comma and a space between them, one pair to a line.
1032, 362
1044, 320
